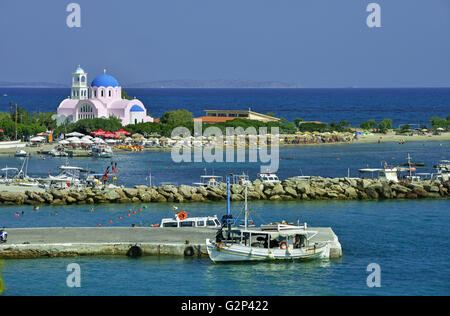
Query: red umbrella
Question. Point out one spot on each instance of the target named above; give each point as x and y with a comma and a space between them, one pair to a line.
100, 132
123, 132
1, 131
109, 135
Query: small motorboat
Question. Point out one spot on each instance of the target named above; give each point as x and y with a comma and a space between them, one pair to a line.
21, 153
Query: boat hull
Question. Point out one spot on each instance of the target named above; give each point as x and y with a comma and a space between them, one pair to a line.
238, 253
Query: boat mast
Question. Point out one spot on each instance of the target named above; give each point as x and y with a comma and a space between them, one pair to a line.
228, 204
246, 208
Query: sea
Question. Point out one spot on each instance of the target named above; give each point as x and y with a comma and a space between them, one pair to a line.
406, 239
355, 105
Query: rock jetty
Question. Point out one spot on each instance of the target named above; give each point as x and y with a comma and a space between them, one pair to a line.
316, 188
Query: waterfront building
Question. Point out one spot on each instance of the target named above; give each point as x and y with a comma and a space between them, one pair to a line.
216, 116
102, 99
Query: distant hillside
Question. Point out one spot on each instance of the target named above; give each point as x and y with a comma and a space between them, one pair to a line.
205, 84
193, 84
5, 84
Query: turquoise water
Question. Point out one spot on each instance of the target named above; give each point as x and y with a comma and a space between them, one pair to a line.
332, 160
408, 239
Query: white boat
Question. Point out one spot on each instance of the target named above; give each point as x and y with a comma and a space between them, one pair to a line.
258, 245
101, 151
180, 221
443, 170
18, 177
68, 176
272, 242
385, 174
21, 153
269, 178
241, 179
58, 152
209, 180
5, 179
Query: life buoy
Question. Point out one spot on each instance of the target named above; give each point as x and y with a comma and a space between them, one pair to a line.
134, 252
189, 251
183, 215
283, 245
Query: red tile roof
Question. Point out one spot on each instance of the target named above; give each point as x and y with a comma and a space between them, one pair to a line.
213, 119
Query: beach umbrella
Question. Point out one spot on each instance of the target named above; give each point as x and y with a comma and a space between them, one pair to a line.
440, 129
137, 135
64, 142
37, 139
87, 141
75, 134
1, 131
74, 140
110, 141
99, 132
98, 141
123, 132
109, 135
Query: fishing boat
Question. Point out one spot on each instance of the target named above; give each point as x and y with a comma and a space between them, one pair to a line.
259, 245
268, 243
209, 181
101, 151
241, 179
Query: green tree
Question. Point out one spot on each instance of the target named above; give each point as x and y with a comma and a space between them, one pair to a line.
384, 125
368, 124
177, 117
298, 121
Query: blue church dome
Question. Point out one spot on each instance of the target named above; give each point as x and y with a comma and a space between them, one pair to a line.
136, 108
105, 81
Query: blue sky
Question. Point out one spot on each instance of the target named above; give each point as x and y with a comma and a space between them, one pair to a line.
314, 43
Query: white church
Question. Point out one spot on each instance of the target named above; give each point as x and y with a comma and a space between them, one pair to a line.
102, 99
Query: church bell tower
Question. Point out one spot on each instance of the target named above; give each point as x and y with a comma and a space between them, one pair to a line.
80, 89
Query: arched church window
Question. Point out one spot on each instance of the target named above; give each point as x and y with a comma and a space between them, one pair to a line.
109, 93
83, 79
103, 93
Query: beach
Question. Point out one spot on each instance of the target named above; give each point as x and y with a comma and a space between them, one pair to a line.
390, 136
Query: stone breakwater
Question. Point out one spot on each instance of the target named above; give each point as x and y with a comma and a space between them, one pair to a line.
316, 188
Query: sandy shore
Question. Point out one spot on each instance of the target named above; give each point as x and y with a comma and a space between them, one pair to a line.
371, 138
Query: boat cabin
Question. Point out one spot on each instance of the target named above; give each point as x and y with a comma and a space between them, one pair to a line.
269, 178
209, 180
203, 222
293, 239
241, 179
386, 174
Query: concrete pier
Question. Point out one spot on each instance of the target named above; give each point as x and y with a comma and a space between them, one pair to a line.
71, 242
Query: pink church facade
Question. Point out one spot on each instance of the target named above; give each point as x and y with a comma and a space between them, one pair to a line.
101, 100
